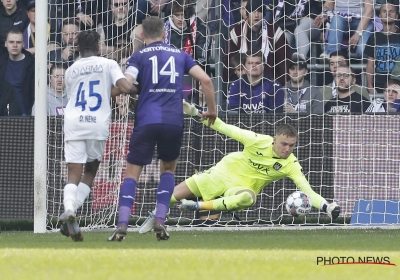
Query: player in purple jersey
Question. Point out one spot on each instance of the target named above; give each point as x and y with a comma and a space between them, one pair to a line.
158, 69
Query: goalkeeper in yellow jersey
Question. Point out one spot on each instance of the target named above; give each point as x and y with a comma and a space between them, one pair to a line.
240, 176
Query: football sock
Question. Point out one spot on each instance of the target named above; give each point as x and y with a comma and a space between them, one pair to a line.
70, 191
231, 203
126, 199
173, 201
81, 194
323, 206
164, 192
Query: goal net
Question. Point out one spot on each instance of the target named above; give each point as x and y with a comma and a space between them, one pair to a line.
346, 158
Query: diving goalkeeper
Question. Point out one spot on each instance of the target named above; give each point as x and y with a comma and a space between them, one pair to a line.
240, 176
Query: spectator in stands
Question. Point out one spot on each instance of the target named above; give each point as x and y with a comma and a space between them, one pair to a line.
98, 10
382, 49
56, 96
236, 62
185, 31
300, 96
17, 67
116, 31
328, 91
146, 8
12, 17
390, 102
296, 18
256, 33
347, 100
68, 52
8, 100
254, 92
60, 10
29, 32
354, 16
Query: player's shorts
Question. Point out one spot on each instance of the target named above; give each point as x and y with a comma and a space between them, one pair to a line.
167, 137
82, 151
210, 185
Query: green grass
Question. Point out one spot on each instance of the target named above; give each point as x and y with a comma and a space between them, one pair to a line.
269, 254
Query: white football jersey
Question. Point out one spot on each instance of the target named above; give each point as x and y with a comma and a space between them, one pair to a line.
88, 85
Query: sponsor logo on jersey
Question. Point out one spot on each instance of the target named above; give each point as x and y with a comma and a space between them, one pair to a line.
90, 69
259, 167
277, 166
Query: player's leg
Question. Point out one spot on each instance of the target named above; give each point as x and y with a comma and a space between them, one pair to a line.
181, 191
75, 156
141, 148
169, 139
234, 199
95, 151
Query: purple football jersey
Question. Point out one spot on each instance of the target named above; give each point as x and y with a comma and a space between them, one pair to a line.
159, 70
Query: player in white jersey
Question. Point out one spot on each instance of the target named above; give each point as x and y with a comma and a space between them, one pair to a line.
89, 83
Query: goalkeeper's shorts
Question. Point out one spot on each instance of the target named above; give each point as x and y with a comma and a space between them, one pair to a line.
210, 185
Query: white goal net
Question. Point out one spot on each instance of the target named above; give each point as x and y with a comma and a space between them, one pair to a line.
346, 158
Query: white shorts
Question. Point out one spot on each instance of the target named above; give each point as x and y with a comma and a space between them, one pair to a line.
82, 151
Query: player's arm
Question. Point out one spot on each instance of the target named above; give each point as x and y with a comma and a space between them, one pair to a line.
124, 86
244, 136
318, 201
208, 89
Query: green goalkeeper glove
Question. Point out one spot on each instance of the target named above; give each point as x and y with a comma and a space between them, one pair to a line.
190, 109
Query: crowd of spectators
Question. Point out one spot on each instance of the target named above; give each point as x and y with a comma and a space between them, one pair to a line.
264, 47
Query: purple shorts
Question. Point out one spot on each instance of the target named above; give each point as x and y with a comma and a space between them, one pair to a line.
168, 138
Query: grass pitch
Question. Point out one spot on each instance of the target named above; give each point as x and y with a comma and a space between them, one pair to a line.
262, 254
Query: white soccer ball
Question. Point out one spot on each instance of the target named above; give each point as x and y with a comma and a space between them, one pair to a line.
298, 204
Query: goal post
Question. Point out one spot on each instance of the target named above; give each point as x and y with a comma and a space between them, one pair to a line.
40, 134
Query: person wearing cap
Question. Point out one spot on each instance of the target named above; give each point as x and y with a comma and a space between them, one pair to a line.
300, 96
382, 49
254, 92
259, 34
29, 32
12, 17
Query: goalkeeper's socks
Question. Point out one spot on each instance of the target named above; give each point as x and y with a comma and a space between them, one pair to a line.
173, 201
164, 192
126, 199
70, 191
81, 194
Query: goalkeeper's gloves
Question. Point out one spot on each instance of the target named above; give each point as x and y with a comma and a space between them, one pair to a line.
190, 109
333, 210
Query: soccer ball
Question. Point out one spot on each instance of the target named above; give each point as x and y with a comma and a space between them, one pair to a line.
298, 204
